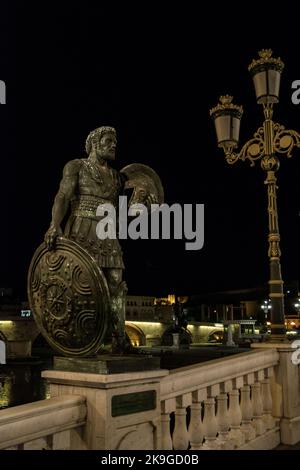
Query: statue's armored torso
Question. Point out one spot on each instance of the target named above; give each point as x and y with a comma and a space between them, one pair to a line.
96, 185
102, 182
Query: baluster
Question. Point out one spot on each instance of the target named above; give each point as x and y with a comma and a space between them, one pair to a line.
210, 425
196, 427
268, 419
59, 441
166, 440
235, 418
167, 407
223, 422
257, 409
247, 414
180, 434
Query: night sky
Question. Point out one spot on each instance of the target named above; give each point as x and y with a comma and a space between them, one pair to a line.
153, 75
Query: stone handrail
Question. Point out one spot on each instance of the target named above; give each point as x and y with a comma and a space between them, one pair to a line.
238, 387
55, 423
190, 378
246, 401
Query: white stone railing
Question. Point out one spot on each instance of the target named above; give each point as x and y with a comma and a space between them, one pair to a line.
51, 424
247, 401
221, 404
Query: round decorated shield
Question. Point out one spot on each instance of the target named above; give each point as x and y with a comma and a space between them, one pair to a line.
69, 298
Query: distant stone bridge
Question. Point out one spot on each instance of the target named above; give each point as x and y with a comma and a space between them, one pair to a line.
18, 333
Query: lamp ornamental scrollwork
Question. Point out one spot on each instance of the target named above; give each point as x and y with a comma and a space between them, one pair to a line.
268, 142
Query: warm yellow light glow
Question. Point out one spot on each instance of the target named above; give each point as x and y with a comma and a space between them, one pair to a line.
142, 322
6, 393
171, 298
219, 325
268, 323
209, 327
7, 322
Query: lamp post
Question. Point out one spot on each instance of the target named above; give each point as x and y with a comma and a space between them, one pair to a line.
269, 141
266, 306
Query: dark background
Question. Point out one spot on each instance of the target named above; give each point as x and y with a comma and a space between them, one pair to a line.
153, 74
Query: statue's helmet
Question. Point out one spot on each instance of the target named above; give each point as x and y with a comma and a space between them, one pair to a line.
146, 184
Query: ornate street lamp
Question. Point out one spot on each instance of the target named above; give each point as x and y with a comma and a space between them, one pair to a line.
268, 141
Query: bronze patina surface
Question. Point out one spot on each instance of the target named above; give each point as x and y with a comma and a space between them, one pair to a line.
130, 403
74, 321
69, 297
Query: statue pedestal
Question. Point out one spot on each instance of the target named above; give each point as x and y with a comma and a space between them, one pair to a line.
107, 364
123, 410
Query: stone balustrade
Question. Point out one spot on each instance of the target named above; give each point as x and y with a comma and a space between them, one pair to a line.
222, 404
246, 401
51, 424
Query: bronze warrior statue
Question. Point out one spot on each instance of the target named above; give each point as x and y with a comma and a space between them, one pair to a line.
75, 284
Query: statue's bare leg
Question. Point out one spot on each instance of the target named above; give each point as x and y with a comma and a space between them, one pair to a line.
118, 291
